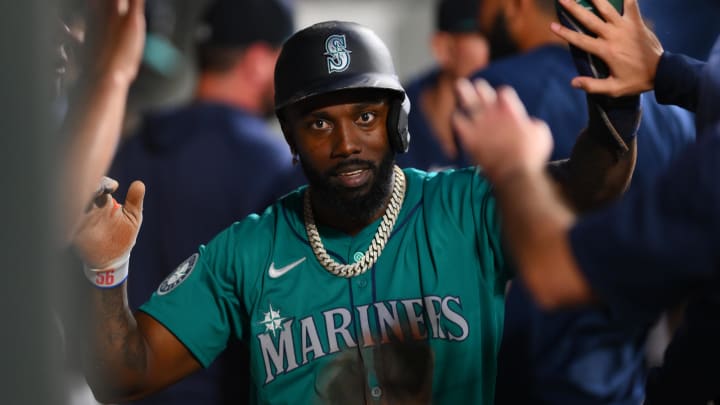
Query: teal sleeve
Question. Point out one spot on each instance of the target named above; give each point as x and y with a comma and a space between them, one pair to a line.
201, 310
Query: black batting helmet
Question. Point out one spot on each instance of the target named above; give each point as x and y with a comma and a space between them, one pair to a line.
337, 55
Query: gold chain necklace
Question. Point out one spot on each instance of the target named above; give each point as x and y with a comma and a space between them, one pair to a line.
378, 243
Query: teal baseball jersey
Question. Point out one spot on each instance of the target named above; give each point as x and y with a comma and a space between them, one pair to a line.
424, 323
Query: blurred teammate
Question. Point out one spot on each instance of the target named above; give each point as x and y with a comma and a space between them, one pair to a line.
576, 356
328, 282
459, 49
651, 250
209, 164
109, 61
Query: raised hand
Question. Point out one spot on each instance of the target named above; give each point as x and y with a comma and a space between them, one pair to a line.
629, 48
108, 231
116, 37
497, 133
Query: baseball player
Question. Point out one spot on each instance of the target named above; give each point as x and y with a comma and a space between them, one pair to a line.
653, 249
371, 285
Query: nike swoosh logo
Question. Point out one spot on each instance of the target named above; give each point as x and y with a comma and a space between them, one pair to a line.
275, 273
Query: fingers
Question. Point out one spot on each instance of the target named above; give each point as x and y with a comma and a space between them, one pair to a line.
136, 7
608, 86
101, 195
586, 17
107, 186
467, 98
464, 129
507, 98
580, 40
474, 97
632, 10
606, 10
134, 201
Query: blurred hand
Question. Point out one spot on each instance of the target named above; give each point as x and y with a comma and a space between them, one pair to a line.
109, 230
629, 48
116, 38
497, 133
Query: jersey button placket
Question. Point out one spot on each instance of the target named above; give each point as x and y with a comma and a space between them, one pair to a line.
361, 281
357, 256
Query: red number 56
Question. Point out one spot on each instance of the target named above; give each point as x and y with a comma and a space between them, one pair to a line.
106, 277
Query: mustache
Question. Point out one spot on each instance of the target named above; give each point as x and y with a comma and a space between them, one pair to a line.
350, 165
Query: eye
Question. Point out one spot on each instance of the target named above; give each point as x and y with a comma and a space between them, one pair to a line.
318, 124
366, 117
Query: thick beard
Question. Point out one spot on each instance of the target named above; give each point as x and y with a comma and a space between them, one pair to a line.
501, 42
357, 208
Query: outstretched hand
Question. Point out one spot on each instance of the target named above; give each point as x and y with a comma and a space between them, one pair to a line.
108, 230
116, 38
497, 133
629, 48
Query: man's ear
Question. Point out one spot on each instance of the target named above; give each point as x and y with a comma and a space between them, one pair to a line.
287, 133
440, 44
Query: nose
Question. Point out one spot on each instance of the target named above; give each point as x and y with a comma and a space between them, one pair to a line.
346, 141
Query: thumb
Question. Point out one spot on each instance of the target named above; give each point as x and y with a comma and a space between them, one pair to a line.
134, 200
136, 7
591, 85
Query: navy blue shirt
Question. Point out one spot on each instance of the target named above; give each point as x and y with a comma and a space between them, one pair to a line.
205, 166
659, 244
425, 152
578, 356
689, 27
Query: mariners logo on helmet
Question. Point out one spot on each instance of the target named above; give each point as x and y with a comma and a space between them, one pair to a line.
338, 56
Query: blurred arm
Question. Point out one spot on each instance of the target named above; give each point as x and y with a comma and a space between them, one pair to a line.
537, 211
127, 356
95, 121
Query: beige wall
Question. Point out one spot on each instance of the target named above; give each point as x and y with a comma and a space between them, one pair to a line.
404, 25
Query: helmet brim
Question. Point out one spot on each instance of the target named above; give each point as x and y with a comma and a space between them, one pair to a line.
376, 81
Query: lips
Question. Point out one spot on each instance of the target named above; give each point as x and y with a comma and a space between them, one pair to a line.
353, 175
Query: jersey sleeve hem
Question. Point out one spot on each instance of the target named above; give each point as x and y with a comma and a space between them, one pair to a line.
194, 350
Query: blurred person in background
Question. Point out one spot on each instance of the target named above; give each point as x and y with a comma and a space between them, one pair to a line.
210, 163
99, 50
654, 248
664, 235
459, 50
583, 356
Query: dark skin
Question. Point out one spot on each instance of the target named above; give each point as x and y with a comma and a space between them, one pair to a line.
325, 135
134, 355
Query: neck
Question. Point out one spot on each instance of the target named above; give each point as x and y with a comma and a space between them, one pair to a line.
536, 32
229, 90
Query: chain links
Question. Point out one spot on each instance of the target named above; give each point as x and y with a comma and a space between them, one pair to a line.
378, 243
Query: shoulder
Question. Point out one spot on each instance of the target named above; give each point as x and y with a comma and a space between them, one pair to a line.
448, 184
248, 244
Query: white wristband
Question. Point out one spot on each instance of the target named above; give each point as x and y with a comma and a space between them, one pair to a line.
110, 277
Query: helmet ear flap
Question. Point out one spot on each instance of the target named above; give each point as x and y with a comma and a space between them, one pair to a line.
397, 124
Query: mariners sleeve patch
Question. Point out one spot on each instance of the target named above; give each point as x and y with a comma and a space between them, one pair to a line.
180, 274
